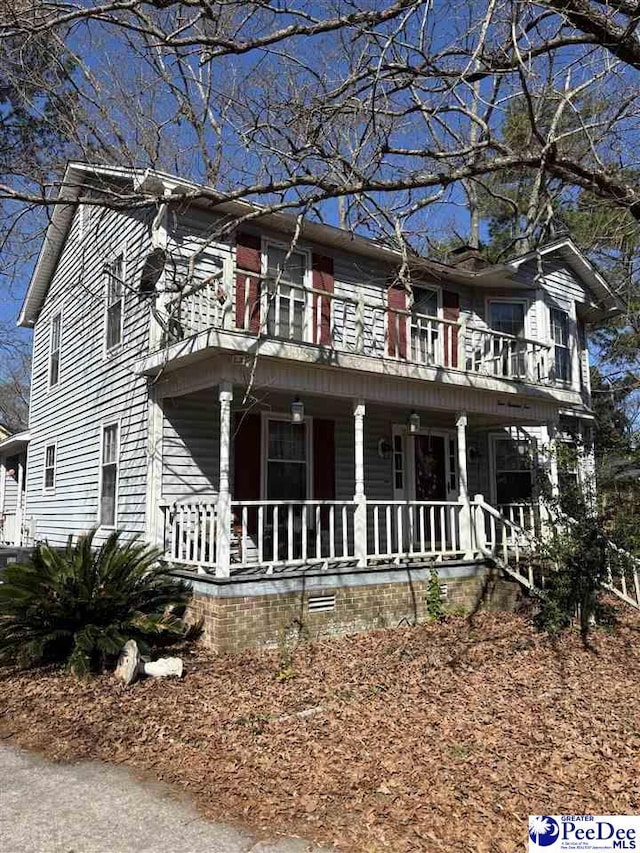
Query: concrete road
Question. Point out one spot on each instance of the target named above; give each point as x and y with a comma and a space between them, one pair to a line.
94, 808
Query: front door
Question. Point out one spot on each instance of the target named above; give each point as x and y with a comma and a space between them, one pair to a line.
430, 468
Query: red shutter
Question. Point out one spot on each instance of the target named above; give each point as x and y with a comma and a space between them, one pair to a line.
396, 322
248, 260
324, 460
450, 311
246, 457
247, 443
322, 267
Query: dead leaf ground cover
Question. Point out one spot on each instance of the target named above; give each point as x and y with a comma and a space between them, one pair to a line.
441, 737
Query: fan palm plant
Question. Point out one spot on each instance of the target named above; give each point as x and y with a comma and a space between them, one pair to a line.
78, 605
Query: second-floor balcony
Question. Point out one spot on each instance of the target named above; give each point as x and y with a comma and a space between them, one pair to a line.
355, 325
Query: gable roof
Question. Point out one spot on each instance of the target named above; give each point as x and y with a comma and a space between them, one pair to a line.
155, 187
566, 250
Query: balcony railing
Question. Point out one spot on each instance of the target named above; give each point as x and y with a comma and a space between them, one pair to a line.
351, 324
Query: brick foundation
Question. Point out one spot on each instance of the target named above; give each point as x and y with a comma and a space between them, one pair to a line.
232, 622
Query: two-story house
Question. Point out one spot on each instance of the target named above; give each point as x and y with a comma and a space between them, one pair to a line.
295, 422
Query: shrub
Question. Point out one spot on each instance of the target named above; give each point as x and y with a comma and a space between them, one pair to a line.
435, 608
79, 605
573, 589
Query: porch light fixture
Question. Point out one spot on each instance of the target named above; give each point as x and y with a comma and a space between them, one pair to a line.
384, 448
297, 411
414, 422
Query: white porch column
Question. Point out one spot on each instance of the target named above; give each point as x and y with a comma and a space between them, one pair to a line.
549, 467
552, 456
155, 517
466, 540
223, 507
20, 504
360, 517
3, 482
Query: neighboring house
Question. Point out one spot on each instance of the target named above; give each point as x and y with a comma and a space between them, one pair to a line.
13, 456
264, 414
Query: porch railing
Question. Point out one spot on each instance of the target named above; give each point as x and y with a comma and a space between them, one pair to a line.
413, 528
291, 533
190, 531
10, 528
354, 324
523, 514
270, 535
497, 536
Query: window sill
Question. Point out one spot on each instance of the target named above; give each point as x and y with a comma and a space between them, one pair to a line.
113, 352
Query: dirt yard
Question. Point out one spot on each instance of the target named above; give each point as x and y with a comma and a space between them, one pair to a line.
443, 737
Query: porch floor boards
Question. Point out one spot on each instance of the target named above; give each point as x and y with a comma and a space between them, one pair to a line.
317, 570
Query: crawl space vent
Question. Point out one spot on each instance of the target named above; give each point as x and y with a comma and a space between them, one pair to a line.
322, 603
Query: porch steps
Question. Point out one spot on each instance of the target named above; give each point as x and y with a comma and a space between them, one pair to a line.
623, 573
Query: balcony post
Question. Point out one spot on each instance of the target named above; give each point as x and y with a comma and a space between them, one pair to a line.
466, 541
360, 516
462, 344
223, 506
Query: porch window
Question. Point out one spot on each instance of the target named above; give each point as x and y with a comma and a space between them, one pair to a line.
54, 350
109, 474
286, 293
287, 464
115, 301
514, 471
560, 337
49, 467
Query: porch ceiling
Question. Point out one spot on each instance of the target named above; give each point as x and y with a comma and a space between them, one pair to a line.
489, 403
275, 401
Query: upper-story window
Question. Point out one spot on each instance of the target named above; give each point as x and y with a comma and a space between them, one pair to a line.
560, 338
425, 348
55, 334
507, 317
115, 302
286, 295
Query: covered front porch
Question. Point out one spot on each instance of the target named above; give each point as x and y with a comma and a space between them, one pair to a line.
282, 482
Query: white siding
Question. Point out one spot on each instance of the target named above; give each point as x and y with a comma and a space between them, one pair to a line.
11, 485
556, 277
93, 388
190, 444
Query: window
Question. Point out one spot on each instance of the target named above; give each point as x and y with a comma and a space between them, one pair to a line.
560, 338
424, 332
398, 463
115, 300
54, 350
513, 470
287, 465
507, 357
49, 467
109, 475
287, 301
507, 317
